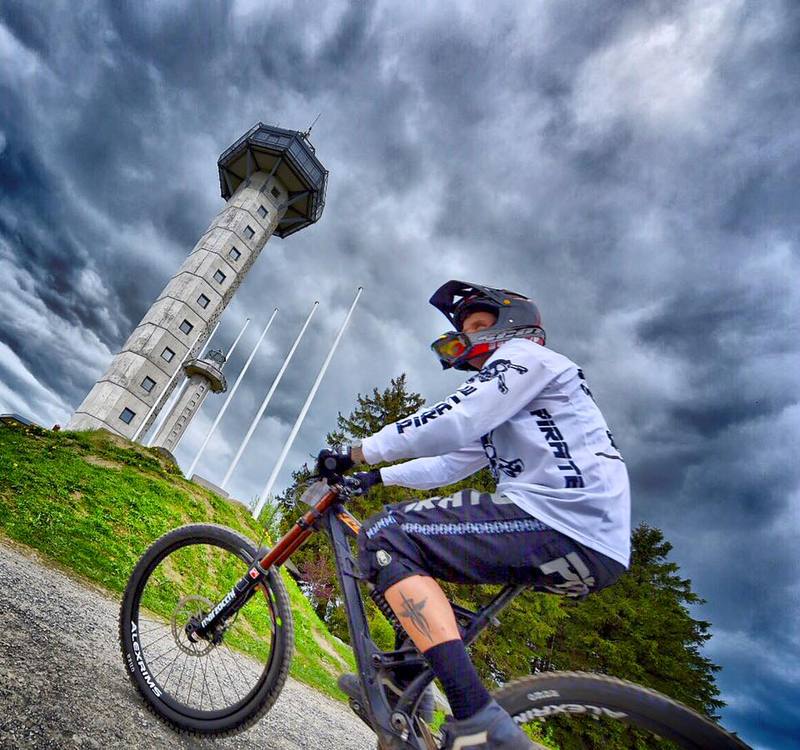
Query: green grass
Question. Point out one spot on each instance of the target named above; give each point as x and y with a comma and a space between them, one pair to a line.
93, 503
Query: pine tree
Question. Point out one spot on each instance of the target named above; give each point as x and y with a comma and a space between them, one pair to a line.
376, 411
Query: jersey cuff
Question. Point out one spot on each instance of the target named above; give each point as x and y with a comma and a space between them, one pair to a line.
371, 455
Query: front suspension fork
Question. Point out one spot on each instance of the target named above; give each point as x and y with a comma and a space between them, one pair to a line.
244, 588
230, 604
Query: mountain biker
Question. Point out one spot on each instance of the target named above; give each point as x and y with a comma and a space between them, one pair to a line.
559, 520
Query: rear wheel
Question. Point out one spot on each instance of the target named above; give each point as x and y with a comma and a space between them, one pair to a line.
217, 686
601, 698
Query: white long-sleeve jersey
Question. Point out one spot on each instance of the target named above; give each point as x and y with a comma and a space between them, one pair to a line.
530, 416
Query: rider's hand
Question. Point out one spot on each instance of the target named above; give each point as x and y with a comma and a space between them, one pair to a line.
361, 482
330, 464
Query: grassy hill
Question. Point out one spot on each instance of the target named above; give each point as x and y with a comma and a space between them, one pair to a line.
92, 502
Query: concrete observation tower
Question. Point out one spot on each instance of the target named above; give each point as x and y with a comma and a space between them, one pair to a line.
273, 184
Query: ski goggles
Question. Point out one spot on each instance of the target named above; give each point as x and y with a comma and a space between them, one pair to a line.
454, 348
450, 347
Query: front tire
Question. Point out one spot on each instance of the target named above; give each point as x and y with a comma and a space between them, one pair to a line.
599, 697
204, 687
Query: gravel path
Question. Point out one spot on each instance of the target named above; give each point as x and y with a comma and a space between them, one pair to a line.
62, 682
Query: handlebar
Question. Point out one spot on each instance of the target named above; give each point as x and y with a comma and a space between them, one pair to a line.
320, 486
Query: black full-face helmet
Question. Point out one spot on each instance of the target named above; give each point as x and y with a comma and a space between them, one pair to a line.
517, 317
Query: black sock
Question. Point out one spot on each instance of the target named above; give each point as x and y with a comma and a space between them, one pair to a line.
462, 686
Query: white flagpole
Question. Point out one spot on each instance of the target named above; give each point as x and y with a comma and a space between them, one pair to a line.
299, 421
267, 398
236, 340
169, 382
230, 395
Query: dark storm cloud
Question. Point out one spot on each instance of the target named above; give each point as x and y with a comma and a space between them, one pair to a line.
631, 164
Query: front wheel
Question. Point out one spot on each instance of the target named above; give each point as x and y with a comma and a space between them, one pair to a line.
220, 685
601, 698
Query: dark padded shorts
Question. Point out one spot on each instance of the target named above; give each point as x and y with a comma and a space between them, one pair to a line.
477, 537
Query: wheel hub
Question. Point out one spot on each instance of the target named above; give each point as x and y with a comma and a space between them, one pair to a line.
191, 608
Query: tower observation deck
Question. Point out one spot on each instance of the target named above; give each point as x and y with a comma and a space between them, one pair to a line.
272, 183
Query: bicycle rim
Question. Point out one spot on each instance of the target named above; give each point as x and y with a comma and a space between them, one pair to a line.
204, 686
598, 700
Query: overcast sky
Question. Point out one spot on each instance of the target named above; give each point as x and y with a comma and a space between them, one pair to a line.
631, 165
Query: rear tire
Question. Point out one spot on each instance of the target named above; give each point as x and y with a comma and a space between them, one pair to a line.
185, 573
594, 697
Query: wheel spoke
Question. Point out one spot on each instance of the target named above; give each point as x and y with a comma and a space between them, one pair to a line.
205, 685
154, 659
183, 672
231, 681
171, 666
165, 633
143, 633
216, 675
235, 661
191, 684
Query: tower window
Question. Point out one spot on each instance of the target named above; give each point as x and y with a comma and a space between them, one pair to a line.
127, 415
186, 327
219, 277
275, 192
234, 254
262, 212
203, 301
167, 354
148, 384
249, 232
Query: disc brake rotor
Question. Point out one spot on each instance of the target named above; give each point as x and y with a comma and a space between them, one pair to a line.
190, 606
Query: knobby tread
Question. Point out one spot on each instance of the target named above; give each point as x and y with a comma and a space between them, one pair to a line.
640, 703
283, 606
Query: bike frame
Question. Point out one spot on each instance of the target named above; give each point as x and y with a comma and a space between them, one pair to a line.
395, 728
